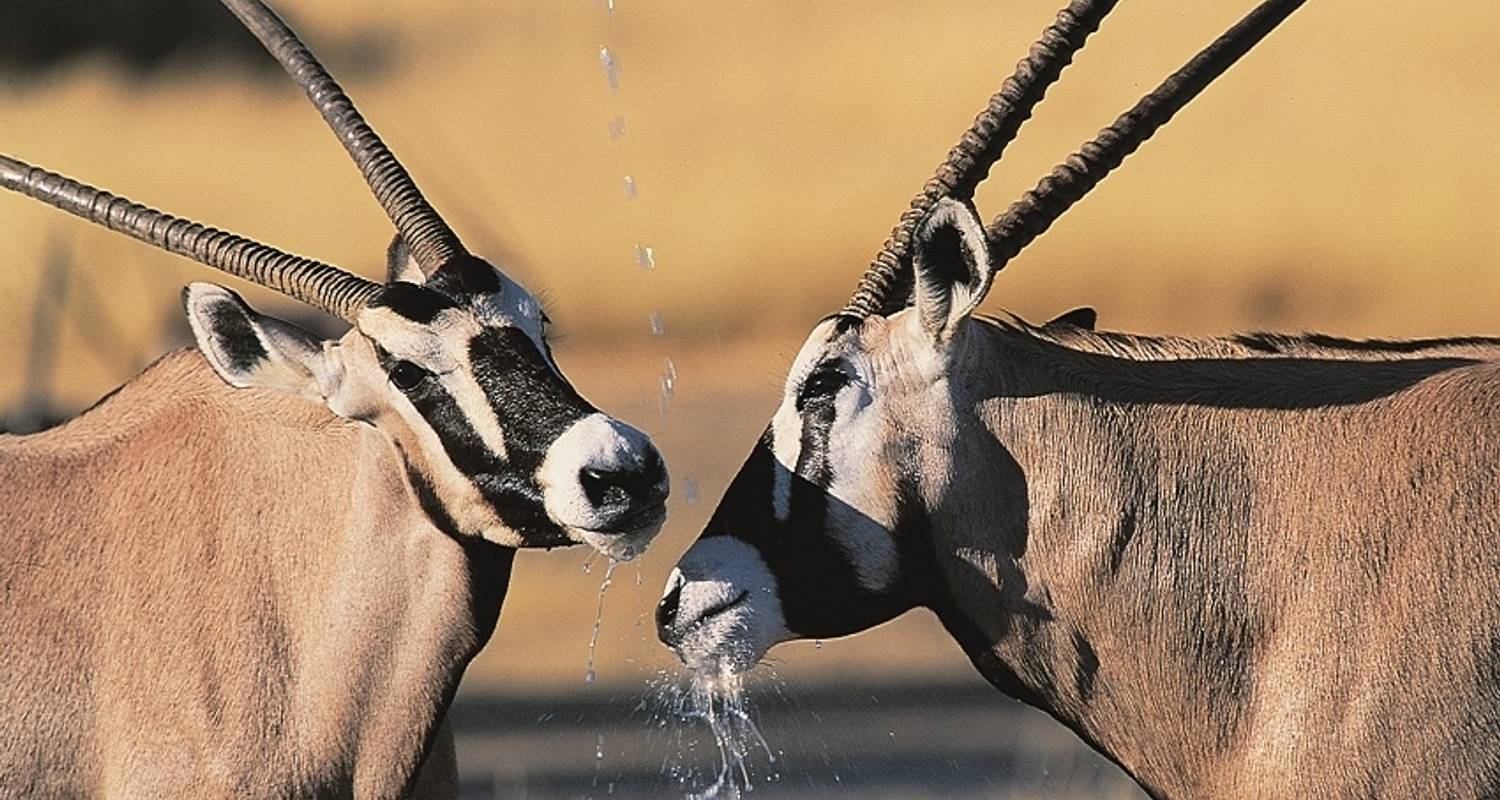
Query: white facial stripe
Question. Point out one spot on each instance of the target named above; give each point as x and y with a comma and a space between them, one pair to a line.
427, 346
475, 406
786, 444
714, 572
459, 496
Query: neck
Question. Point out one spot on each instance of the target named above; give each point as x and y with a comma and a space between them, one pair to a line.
1132, 576
320, 633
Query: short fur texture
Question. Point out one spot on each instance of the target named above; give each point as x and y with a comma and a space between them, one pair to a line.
164, 640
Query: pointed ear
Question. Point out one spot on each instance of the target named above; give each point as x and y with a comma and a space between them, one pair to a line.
400, 266
951, 258
249, 349
1081, 317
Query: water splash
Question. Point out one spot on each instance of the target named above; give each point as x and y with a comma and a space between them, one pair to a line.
611, 68
716, 701
589, 676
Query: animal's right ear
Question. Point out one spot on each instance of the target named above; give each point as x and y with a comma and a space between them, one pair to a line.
951, 260
400, 266
1081, 317
250, 349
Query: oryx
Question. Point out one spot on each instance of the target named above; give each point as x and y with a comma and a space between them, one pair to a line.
1259, 567
260, 568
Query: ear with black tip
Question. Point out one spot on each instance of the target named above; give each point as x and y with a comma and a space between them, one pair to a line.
951, 260
1081, 317
248, 349
399, 264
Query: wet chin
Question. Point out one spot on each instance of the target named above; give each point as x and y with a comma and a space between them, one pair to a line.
721, 645
619, 546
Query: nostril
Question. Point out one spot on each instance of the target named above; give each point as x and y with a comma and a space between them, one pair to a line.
596, 485
666, 612
605, 487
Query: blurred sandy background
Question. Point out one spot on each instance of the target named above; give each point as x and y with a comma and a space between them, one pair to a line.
1344, 177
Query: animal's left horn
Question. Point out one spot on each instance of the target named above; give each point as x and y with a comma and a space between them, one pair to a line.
432, 242
338, 292
886, 285
1030, 216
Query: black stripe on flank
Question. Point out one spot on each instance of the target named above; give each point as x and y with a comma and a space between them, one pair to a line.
413, 302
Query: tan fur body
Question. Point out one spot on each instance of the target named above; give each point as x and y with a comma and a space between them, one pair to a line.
1240, 573
224, 592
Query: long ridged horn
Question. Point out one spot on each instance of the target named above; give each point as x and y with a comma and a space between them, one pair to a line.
432, 242
887, 283
1030, 216
329, 288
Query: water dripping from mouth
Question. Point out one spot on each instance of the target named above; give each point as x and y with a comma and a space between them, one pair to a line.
589, 676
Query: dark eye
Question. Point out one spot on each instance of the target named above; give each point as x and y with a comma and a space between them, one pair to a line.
407, 376
822, 384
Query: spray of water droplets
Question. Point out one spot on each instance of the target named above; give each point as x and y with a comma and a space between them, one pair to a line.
716, 742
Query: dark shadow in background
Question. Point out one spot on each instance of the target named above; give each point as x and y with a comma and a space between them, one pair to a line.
147, 36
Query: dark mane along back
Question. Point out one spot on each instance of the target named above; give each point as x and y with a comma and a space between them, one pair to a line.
1261, 370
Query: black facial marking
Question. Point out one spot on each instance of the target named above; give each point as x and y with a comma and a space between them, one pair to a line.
416, 303
465, 275
819, 589
534, 405
234, 336
509, 488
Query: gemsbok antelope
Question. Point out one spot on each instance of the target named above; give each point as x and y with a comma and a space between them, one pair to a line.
1256, 567
260, 568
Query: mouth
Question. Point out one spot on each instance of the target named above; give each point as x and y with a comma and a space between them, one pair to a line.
707, 616
629, 537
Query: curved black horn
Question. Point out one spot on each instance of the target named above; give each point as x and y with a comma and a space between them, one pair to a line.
886, 285
1030, 216
338, 292
432, 242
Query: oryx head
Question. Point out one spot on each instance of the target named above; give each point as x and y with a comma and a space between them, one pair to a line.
449, 357
825, 530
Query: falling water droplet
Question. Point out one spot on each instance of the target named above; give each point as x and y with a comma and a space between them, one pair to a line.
668, 377
658, 325
817, 644
599, 749
645, 256
631, 192
611, 68
617, 128
609, 577
609, 7
690, 490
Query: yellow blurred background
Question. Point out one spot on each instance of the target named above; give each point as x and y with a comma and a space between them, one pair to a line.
1344, 177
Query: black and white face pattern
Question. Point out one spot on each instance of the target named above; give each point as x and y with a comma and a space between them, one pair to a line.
456, 370
823, 531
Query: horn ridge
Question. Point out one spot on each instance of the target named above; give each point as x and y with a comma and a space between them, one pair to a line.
1034, 213
321, 285
432, 242
887, 283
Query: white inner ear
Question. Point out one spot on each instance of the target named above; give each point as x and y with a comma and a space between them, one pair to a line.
941, 300
399, 264
290, 359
